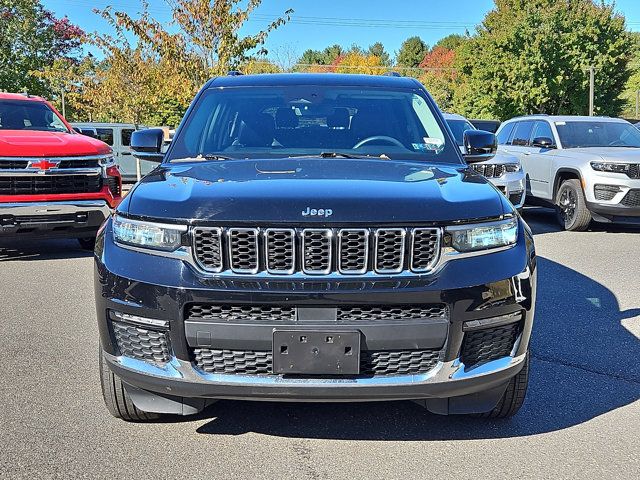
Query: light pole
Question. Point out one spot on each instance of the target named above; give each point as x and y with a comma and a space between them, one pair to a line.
64, 113
592, 75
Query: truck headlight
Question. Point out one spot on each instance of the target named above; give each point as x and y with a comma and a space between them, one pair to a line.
512, 167
483, 236
155, 236
106, 160
611, 167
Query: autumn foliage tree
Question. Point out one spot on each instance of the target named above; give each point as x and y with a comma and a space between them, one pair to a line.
32, 39
439, 75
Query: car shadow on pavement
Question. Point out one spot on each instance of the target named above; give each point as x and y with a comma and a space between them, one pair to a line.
12, 250
584, 365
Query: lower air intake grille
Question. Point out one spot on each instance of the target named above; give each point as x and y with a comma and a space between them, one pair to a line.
240, 313
488, 344
372, 363
631, 199
140, 343
516, 198
390, 312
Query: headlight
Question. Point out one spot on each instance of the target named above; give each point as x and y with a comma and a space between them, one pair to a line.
471, 238
512, 167
611, 167
106, 160
155, 236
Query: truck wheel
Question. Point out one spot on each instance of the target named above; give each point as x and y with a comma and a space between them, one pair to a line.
571, 206
87, 243
513, 397
117, 399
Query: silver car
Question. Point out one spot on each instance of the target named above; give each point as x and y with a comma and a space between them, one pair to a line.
588, 168
503, 170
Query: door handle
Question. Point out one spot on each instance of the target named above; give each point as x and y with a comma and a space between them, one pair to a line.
125, 153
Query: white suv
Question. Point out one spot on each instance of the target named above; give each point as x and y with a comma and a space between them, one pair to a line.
503, 170
586, 167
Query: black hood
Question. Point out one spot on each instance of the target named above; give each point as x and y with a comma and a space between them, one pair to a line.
280, 190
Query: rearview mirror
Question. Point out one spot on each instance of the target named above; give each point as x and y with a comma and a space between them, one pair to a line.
543, 142
479, 146
147, 144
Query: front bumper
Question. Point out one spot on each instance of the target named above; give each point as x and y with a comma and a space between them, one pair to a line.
475, 288
70, 219
512, 186
623, 206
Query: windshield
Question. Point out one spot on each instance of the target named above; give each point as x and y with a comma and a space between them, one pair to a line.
29, 115
301, 120
597, 134
458, 127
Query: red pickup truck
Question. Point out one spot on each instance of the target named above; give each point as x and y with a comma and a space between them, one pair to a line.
54, 182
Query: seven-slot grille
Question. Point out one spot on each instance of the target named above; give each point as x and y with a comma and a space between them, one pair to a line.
316, 251
490, 170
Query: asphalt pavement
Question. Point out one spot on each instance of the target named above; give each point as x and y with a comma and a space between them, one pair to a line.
581, 418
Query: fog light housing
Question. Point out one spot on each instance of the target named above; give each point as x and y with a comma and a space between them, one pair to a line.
137, 320
606, 192
483, 323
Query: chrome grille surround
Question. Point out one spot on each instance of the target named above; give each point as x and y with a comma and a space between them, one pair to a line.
207, 248
353, 250
315, 251
389, 248
280, 250
425, 245
243, 250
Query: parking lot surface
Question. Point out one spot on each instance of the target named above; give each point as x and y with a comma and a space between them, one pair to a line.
581, 418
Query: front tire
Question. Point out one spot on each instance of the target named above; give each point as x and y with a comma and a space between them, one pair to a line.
571, 206
116, 398
513, 397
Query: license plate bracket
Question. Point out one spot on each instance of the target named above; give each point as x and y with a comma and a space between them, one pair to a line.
315, 352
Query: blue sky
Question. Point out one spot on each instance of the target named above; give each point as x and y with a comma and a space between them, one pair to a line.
316, 24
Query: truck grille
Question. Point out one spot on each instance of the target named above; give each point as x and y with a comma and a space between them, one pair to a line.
344, 314
488, 344
372, 363
13, 164
316, 251
49, 184
489, 170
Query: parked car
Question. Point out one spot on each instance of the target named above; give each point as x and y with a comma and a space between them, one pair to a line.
503, 170
587, 168
118, 137
54, 182
486, 125
314, 237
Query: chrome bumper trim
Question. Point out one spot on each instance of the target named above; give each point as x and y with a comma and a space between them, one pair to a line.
443, 372
54, 208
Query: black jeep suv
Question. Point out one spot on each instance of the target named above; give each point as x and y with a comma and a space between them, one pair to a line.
314, 238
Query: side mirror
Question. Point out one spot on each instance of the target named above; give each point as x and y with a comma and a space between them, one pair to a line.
147, 144
543, 142
479, 146
77, 130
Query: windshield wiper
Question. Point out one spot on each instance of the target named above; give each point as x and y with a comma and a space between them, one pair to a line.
204, 158
338, 155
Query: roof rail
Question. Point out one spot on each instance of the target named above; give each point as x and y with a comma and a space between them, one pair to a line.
234, 73
392, 74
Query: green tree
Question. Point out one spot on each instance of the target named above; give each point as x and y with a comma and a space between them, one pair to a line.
451, 42
412, 52
31, 40
532, 56
377, 50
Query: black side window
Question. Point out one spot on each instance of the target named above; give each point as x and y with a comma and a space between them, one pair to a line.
505, 133
126, 136
105, 135
522, 134
542, 129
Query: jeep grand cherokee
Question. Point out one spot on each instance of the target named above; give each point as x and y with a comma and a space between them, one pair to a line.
314, 238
